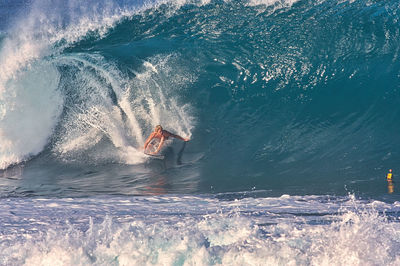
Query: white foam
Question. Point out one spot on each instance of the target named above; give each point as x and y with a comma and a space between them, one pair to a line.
92, 114
196, 230
278, 3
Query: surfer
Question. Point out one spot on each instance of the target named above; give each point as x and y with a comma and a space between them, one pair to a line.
162, 135
389, 176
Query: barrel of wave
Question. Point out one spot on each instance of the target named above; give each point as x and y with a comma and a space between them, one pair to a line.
30, 105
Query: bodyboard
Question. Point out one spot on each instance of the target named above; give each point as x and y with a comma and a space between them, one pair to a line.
154, 156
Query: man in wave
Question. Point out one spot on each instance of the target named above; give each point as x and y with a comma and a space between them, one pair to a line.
159, 135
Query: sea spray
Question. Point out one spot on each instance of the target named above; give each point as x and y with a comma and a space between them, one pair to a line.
106, 107
204, 230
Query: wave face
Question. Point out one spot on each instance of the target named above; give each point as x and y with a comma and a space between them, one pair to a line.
299, 96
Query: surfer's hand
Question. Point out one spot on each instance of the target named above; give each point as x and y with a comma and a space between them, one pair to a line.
186, 139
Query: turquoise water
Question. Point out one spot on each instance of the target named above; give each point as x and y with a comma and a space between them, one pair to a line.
286, 102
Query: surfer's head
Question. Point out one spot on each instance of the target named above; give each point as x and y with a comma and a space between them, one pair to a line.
158, 127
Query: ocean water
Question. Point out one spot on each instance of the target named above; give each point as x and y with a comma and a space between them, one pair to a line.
292, 108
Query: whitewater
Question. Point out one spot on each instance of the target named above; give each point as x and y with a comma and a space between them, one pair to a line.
291, 107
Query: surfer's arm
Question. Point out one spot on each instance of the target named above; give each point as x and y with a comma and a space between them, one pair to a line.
148, 141
179, 137
160, 145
